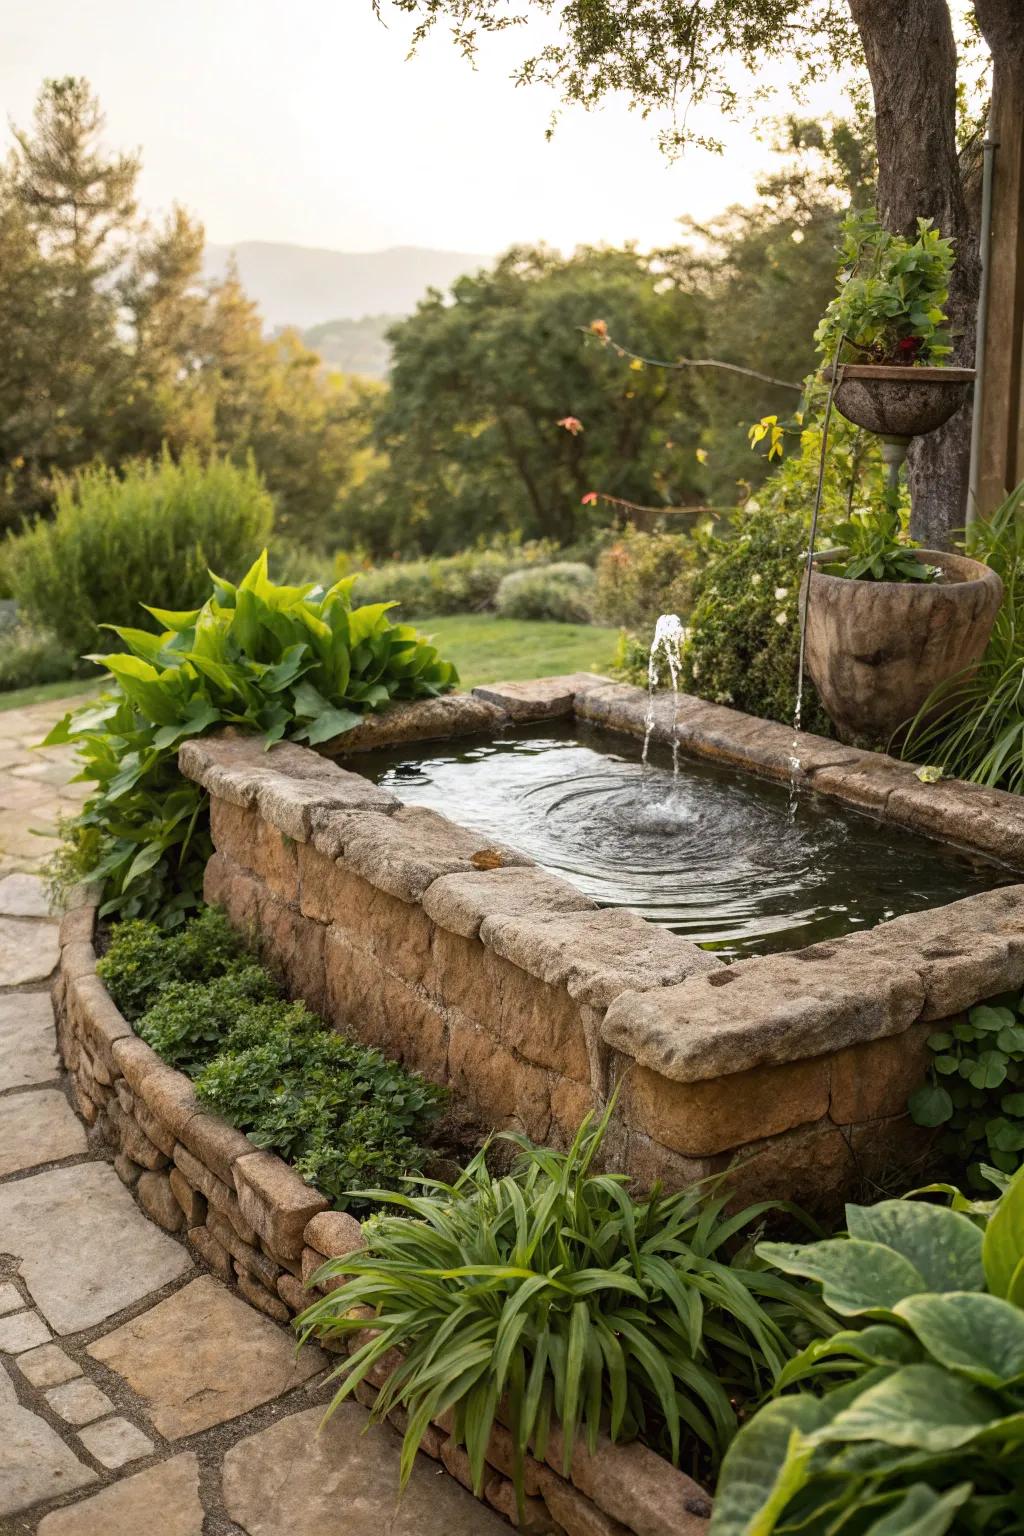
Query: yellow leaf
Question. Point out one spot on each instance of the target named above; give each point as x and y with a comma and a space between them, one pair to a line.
637, 365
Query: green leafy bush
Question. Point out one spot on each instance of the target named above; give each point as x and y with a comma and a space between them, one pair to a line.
921, 1432
189, 1022
562, 592
551, 1288
29, 657
341, 1112
640, 576
972, 727
975, 1086
118, 540
275, 660
142, 961
891, 304
465, 583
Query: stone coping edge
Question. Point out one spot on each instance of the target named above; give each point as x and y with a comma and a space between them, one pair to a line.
249, 1218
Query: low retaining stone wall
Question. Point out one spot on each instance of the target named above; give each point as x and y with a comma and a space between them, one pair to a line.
248, 1217
465, 961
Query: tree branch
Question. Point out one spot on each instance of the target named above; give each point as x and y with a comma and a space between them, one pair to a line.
690, 362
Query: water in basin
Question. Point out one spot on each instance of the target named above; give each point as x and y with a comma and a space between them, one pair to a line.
717, 855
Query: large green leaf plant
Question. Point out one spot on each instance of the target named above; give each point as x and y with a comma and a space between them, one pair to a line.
276, 660
920, 1427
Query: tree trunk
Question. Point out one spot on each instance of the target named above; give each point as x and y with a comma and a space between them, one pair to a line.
911, 58
1002, 435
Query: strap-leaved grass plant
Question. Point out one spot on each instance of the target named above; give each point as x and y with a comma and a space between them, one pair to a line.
276, 660
550, 1296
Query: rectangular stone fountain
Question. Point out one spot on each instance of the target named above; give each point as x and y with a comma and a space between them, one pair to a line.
452, 947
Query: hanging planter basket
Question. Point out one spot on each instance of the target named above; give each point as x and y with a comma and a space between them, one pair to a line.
897, 401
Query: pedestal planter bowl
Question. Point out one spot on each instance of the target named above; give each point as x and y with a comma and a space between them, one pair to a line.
876, 649
900, 402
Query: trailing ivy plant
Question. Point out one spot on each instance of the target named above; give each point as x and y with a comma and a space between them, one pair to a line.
909, 1420
276, 660
553, 1291
891, 303
975, 1086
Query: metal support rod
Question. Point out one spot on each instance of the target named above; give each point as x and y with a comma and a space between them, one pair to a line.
989, 147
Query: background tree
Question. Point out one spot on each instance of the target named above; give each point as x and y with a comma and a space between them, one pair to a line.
699, 50
481, 381
112, 345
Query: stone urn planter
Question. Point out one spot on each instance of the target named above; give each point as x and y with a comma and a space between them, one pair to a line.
877, 649
900, 402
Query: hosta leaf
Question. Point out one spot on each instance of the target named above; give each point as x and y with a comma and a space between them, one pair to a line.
1003, 1243
855, 1276
878, 1344
943, 1245
766, 1465
920, 1407
922, 1512
976, 1335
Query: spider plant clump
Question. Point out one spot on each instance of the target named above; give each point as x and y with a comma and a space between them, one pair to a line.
550, 1296
972, 727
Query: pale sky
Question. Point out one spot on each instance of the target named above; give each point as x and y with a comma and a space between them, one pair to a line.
305, 122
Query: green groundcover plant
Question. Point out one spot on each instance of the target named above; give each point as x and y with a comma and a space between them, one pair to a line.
910, 1420
972, 727
276, 660
975, 1087
876, 547
553, 1293
342, 1113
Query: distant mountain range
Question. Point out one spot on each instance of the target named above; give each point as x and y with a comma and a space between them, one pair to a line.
354, 346
303, 286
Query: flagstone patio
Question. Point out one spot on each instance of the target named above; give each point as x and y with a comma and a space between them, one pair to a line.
137, 1392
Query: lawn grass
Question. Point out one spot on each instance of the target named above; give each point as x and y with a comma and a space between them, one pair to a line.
490, 650
19, 698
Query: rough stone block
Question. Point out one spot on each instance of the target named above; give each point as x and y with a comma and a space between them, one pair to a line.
77, 927
136, 1060
636, 1486
987, 819
366, 1001
156, 1131
312, 1261
865, 781
596, 955
772, 1009
542, 698
226, 884
577, 1515
406, 852
874, 1080
460, 903
215, 1143
245, 837
102, 1023
507, 1092
157, 1200
258, 1296
811, 1165
169, 1097
245, 1254
702, 1118
397, 932
212, 1253
333, 1233
128, 1172
963, 952
293, 947
131, 1139
571, 1102
275, 1201
78, 957
218, 1194
294, 1293
649, 1163
192, 1203
453, 714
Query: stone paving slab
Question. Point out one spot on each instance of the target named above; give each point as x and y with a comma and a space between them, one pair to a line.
162, 1501
295, 1479
28, 951
23, 895
202, 1357
86, 1250
35, 1464
38, 1127
28, 1041
115, 1442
